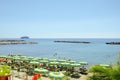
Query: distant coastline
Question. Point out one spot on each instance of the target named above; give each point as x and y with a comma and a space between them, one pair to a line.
9, 42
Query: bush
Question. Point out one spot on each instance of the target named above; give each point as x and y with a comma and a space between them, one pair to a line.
102, 73
116, 73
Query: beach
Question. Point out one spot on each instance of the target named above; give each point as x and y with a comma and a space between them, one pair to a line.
19, 67
83, 77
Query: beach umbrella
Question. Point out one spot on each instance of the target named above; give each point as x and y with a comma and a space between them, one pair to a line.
104, 65
83, 63
43, 61
9, 57
2, 56
34, 62
35, 59
16, 58
24, 59
54, 63
39, 58
65, 64
30, 58
22, 56
52, 60
72, 62
75, 65
56, 75
40, 71
61, 61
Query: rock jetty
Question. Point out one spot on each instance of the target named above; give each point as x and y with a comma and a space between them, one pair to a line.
84, 42
113, 43
8, 42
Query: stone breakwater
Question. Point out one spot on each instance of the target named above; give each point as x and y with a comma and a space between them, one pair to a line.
8, 42
84, 42
113, 43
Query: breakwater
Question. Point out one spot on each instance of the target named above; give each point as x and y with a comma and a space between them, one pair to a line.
113, 43
84, 42
8, 42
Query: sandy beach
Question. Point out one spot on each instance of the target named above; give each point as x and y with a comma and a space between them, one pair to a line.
23, 76
28, 69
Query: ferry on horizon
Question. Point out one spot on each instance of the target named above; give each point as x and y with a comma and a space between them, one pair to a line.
24, 37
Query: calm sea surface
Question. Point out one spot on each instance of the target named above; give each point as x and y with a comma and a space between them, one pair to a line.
96, 52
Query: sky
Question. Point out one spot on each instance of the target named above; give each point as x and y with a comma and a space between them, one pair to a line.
60, 18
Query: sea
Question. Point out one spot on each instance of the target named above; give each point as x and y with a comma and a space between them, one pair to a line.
97, 52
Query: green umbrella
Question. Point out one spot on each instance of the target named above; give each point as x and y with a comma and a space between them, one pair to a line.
83, 63
24, 59
72, 62
2, 56
104, 65
43, 61
41, 71
9, 57
30, 57
65, 64
22, 56
35, 59
39, 58
52, 60
54, 63
16, 58
61, 61
75, 65
34, 62
56, 75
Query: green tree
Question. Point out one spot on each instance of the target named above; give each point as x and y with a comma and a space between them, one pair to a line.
103, 73
100, 73
115, 73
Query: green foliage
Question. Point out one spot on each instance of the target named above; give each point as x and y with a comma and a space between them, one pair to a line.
98, 77
97, 69
116, 73
103, 73
5, 70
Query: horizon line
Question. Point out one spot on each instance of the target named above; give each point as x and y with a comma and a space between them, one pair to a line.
59, 37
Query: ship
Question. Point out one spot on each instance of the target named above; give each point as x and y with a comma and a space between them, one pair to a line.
24, 37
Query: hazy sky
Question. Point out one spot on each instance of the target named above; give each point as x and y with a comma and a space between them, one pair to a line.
60, 18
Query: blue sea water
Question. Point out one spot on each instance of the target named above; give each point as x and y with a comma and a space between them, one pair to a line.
97, 52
